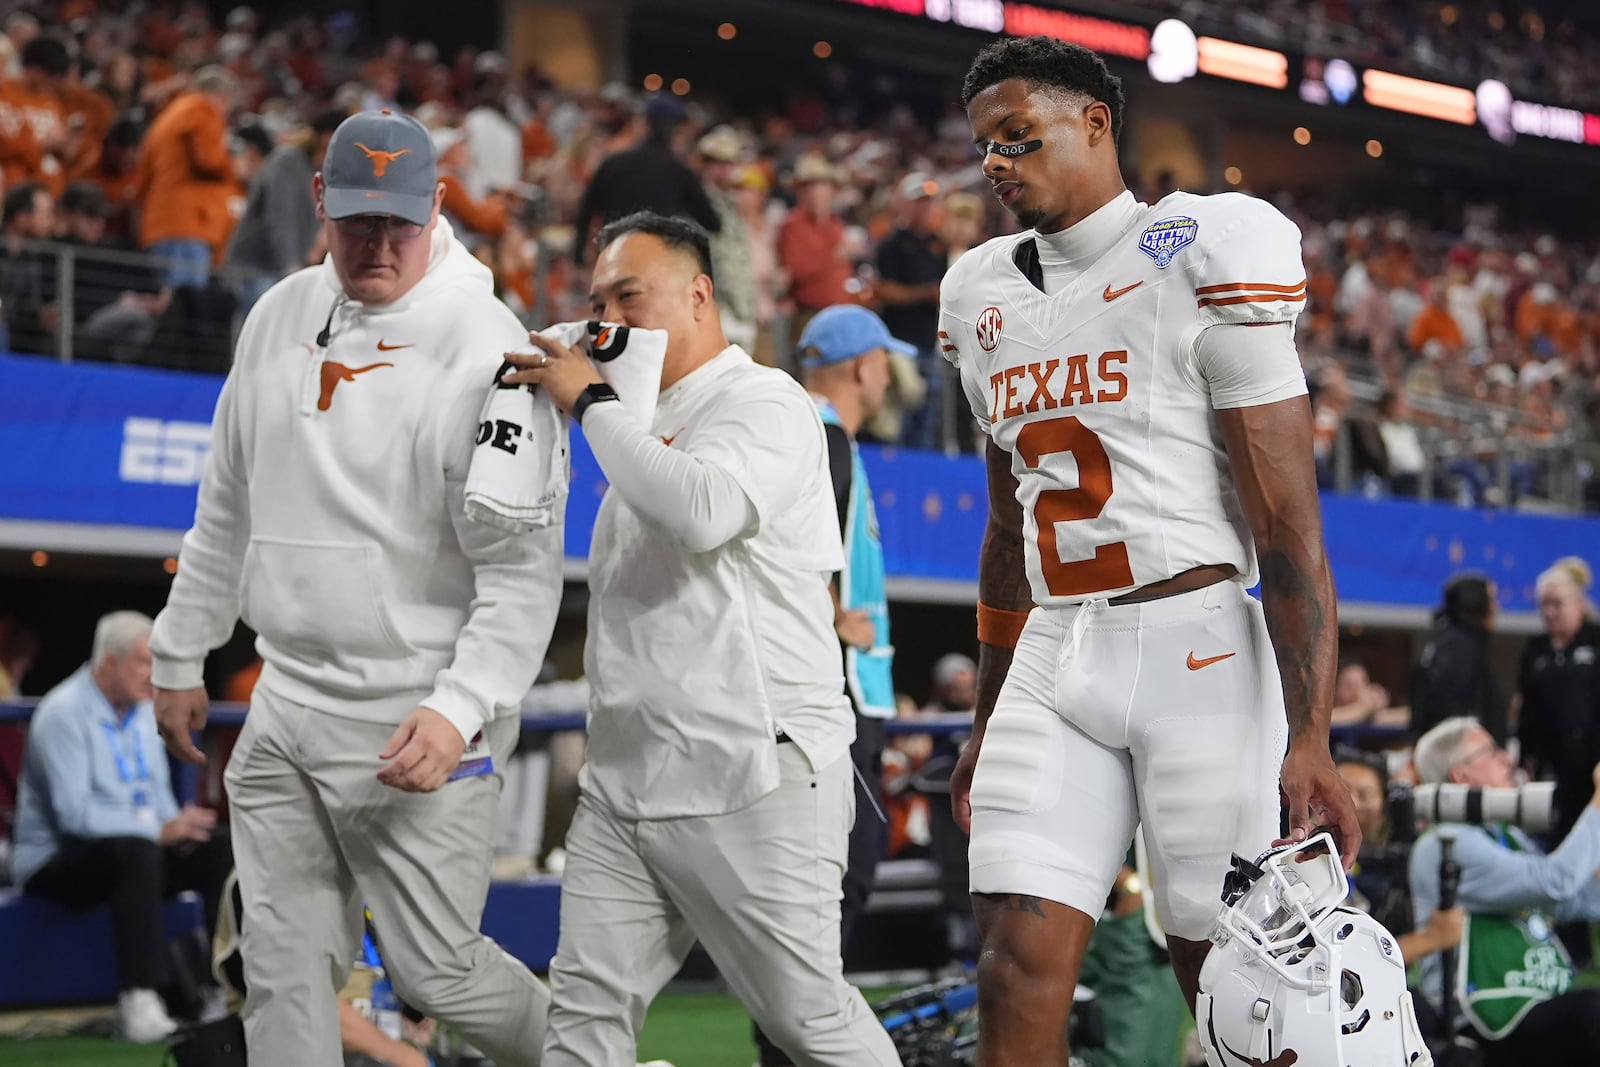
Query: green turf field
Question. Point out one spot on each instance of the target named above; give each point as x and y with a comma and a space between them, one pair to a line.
690, 1029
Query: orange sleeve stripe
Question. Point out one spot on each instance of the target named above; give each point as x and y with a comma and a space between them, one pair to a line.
1000, 627
1267, 299
1252, 286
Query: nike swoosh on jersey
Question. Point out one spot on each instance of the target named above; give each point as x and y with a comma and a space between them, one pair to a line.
392, 348
1196, 664
1111, 294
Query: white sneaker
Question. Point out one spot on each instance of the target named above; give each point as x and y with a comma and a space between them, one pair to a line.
144, 1018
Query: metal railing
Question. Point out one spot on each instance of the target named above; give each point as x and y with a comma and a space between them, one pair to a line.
86, 302
76, 302
1475, 450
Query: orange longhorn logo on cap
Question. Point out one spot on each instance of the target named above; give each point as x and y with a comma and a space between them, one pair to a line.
380, 160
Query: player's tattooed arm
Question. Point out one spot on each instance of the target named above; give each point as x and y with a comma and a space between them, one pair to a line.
1002, 575
1297, 603
1270, 453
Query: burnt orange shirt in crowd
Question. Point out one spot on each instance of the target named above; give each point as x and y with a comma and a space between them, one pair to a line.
186, 175
1322, 287
28, 122
1556, 321
537, 141
485, 217
122, 197
92, 115
1434, 324
808, 249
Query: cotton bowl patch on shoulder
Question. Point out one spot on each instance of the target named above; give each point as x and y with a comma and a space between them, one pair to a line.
1164, 239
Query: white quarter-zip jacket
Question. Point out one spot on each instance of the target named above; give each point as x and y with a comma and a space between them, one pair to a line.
331, 513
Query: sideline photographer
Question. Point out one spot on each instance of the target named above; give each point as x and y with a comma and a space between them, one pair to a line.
1514, 981
1379, 878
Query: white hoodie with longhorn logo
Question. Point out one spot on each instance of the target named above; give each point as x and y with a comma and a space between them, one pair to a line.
331, 514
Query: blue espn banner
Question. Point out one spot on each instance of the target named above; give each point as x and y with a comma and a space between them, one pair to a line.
96, 446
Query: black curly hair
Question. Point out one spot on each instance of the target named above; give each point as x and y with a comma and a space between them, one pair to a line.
1046, 63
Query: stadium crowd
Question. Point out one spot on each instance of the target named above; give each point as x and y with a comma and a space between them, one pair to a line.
1549, 56
1457, 362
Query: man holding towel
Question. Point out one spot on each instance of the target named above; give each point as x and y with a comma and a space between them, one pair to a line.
718, 796
399, 634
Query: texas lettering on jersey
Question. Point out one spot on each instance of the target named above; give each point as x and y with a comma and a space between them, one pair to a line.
1056, 383
1098, 395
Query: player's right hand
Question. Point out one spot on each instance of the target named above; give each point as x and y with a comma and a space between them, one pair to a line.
180, 713
961, 786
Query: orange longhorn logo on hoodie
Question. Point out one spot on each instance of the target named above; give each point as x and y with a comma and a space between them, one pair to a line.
334, 373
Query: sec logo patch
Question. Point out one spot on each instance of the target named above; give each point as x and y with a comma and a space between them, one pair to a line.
989, 329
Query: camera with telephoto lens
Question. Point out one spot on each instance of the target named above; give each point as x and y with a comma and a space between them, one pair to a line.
1531, 807
1383, 865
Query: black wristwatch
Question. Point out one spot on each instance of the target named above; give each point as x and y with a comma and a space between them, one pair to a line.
592, 394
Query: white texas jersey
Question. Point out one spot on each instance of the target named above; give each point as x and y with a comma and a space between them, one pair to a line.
1097, 394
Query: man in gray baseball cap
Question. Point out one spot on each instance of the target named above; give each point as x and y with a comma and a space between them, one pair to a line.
398, 634
380, 176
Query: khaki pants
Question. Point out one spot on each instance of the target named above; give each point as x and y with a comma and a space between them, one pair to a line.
315, 836
760, 889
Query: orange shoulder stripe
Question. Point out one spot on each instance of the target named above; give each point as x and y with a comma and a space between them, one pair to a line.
1252, 286
1265, 298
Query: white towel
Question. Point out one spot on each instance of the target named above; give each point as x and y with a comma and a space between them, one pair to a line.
628, 358
520, 468
518, 477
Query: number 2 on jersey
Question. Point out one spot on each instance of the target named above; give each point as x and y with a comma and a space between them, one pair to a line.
1108, 568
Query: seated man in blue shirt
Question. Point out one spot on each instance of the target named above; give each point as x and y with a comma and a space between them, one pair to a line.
96, 820
1514, 977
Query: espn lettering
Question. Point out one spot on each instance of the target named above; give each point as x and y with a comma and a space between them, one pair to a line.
164, 453
499, 433
1057, 383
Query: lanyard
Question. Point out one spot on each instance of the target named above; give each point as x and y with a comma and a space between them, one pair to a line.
115, 736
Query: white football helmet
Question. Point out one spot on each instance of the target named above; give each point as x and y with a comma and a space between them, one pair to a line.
1293, 978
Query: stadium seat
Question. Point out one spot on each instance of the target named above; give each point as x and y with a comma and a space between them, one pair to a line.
53, 957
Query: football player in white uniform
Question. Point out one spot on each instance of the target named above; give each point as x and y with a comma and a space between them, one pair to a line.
1149, 459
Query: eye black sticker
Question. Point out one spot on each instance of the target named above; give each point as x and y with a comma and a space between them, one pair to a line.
1021, 148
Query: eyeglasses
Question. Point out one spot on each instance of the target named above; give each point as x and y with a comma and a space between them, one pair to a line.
1485, 749
367, 226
